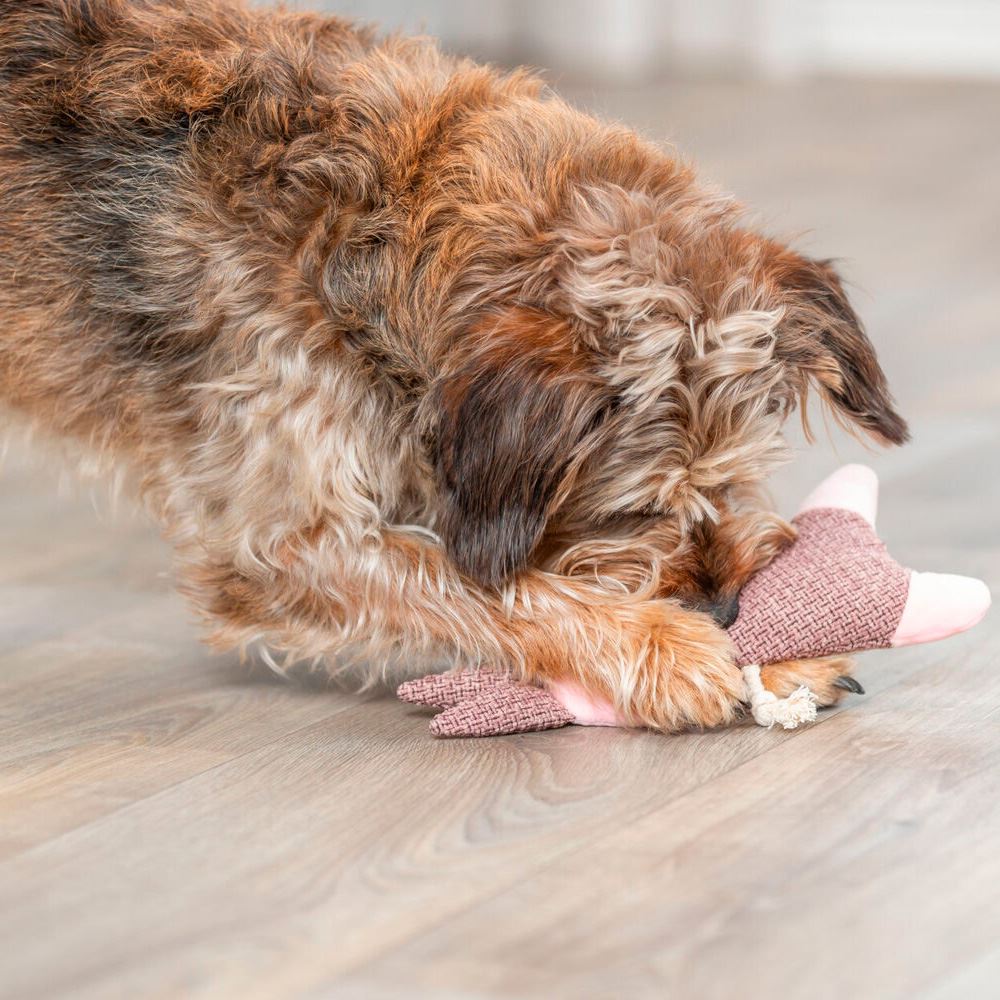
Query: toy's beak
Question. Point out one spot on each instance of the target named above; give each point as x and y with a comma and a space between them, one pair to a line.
939, 605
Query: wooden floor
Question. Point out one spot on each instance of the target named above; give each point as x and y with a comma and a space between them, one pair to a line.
177, 824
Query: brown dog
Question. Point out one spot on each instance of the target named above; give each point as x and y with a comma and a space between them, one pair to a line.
406, 355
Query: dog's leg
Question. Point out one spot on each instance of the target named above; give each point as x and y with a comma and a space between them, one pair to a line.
661, 665
828, 679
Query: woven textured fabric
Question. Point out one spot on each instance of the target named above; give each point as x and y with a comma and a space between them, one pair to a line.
445, 690
506, 709
835, 589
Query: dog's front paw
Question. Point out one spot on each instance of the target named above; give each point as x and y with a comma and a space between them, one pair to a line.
828, 679
676, 671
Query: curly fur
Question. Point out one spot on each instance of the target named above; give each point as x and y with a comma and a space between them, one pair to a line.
407, 356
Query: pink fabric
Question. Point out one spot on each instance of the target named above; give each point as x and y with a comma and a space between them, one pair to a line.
835, 590
446, 690
585, 709
851, 487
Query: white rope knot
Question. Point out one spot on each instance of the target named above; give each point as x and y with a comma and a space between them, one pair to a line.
769, 710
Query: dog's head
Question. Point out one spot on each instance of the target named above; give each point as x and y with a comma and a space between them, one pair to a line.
614, 385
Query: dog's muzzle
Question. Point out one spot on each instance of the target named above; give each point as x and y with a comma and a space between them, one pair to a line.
723, 610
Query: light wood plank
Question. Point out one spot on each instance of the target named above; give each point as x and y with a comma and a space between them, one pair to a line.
325, 848
859, 860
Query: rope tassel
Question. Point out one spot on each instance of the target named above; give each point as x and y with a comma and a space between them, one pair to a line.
769, 710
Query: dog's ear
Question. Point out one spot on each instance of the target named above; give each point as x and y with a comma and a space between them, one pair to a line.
822, 338
513, 421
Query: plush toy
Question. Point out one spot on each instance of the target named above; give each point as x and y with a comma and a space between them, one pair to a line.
834, 590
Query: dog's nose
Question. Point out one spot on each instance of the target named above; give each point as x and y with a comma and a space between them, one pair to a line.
724, 610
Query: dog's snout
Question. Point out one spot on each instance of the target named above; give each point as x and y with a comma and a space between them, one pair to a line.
723, 610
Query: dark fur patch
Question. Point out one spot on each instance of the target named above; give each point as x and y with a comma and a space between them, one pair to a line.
511, 424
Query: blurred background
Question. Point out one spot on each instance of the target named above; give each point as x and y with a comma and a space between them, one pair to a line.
638, 40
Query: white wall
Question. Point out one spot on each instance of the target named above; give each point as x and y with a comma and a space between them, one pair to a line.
636, 39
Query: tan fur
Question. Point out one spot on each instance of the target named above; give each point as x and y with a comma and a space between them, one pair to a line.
817, 675
410, 359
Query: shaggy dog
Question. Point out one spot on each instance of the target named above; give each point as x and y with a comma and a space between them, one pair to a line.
409, 358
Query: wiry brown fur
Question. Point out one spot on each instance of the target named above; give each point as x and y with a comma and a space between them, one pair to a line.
406, 354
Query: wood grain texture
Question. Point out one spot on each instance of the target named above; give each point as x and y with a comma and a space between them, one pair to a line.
173, 823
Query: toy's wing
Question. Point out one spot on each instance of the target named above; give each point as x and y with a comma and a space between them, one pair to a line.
446, 690
502, 711
484, 703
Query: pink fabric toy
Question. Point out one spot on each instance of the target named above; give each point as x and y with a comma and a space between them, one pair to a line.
834, 590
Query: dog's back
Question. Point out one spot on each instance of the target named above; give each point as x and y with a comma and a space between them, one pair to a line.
80, 175
106, 107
